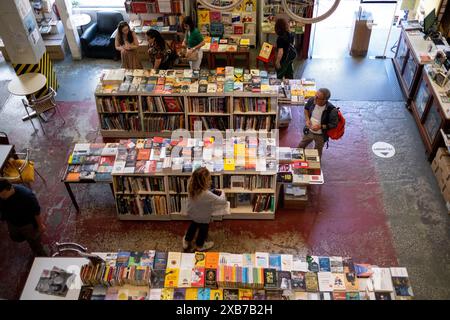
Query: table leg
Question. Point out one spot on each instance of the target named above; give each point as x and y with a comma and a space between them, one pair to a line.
32, 115
72, 197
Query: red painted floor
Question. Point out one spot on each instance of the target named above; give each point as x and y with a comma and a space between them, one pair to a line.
345, 216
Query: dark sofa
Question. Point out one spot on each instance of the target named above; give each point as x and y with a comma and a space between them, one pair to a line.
97, 40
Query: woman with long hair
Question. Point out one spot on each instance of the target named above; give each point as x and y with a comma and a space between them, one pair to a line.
201, 204
127, 43
285, 39
161, 56
193, 41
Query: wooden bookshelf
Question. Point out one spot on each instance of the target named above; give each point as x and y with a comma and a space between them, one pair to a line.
231, 115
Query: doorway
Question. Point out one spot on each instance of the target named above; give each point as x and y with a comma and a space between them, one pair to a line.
332, 37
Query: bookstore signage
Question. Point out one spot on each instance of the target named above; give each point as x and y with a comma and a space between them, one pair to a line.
383, 149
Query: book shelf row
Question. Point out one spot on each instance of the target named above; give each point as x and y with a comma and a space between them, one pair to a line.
139, 115
165, 197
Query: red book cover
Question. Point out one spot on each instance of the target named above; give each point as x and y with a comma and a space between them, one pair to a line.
300, 165
139, 7
143, 154
172, 104
158, 140
108, 161
152, 166
198, 277
214, 47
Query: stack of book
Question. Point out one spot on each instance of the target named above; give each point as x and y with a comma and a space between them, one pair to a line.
220, 80
91, 162
299, 166
258, 276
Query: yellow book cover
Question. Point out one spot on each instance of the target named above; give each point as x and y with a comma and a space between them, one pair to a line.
351, 282
167, 294
216, 294
123, 294
191, 293
200, 258
233, 274
310, 93
239, 150
203, 17
228, 164
171, 279
221, 277
245, 294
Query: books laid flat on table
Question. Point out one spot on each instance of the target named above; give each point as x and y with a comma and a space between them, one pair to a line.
55, 282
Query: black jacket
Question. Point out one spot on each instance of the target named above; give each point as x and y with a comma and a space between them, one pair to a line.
329, 116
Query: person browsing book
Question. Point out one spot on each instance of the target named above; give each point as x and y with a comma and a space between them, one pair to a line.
283, 65
193, 41
161, 56
127, 43
21, 211
320, 116
201, 204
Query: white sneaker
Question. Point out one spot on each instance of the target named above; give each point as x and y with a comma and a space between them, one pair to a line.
185, 244
206, 246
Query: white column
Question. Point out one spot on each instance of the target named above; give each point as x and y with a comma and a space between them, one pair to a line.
65, 11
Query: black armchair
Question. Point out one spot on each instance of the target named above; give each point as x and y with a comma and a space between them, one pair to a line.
97, 41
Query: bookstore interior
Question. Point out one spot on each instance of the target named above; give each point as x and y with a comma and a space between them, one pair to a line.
157, 127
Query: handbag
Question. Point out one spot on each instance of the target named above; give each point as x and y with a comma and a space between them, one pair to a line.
192, 55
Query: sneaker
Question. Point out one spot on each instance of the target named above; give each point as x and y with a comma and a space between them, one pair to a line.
186, 244
206, 246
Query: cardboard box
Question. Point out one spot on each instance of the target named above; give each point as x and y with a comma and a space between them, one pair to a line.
444, 169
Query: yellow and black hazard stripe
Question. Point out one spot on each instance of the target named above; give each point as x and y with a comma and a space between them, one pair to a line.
45, 67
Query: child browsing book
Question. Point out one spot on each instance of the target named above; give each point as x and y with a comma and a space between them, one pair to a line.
201, 204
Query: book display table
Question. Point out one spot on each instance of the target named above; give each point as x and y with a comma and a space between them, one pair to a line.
158, 275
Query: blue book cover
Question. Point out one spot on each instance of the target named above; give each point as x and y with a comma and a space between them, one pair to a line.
324, 264
122, 259
179, 293
204, 294
275, 261
160, 260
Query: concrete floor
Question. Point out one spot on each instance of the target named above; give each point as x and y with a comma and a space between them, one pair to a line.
382, 211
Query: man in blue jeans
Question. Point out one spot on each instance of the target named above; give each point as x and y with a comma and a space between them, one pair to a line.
21, 211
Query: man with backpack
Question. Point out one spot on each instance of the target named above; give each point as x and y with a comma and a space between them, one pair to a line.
320, 117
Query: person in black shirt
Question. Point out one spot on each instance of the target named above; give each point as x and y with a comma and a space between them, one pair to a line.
21, 211
284, 40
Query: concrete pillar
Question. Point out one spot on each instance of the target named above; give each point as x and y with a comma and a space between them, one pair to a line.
65, 11
20, 32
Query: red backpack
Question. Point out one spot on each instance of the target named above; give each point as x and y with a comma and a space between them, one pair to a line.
338, 132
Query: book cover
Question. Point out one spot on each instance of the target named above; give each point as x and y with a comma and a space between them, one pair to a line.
216, 294
351, 282
262, 259
336, 264
212, 260
143, 154
200, 259
383, 296
191, 293
324, 264
338, 282
326, 296
230, 294
187, 260
284, 280
160, 260
339, 296
270, 278
167, 294
299, 263
245, 294
211, 278
382, 280
298, 282
275, 261
401, 283
157, 278
198, 277
179, 294
204, 294
347, 263
313, 263
311, 282
352, 296
171, 278
184, 278
122, 259
325, 280
173, 259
